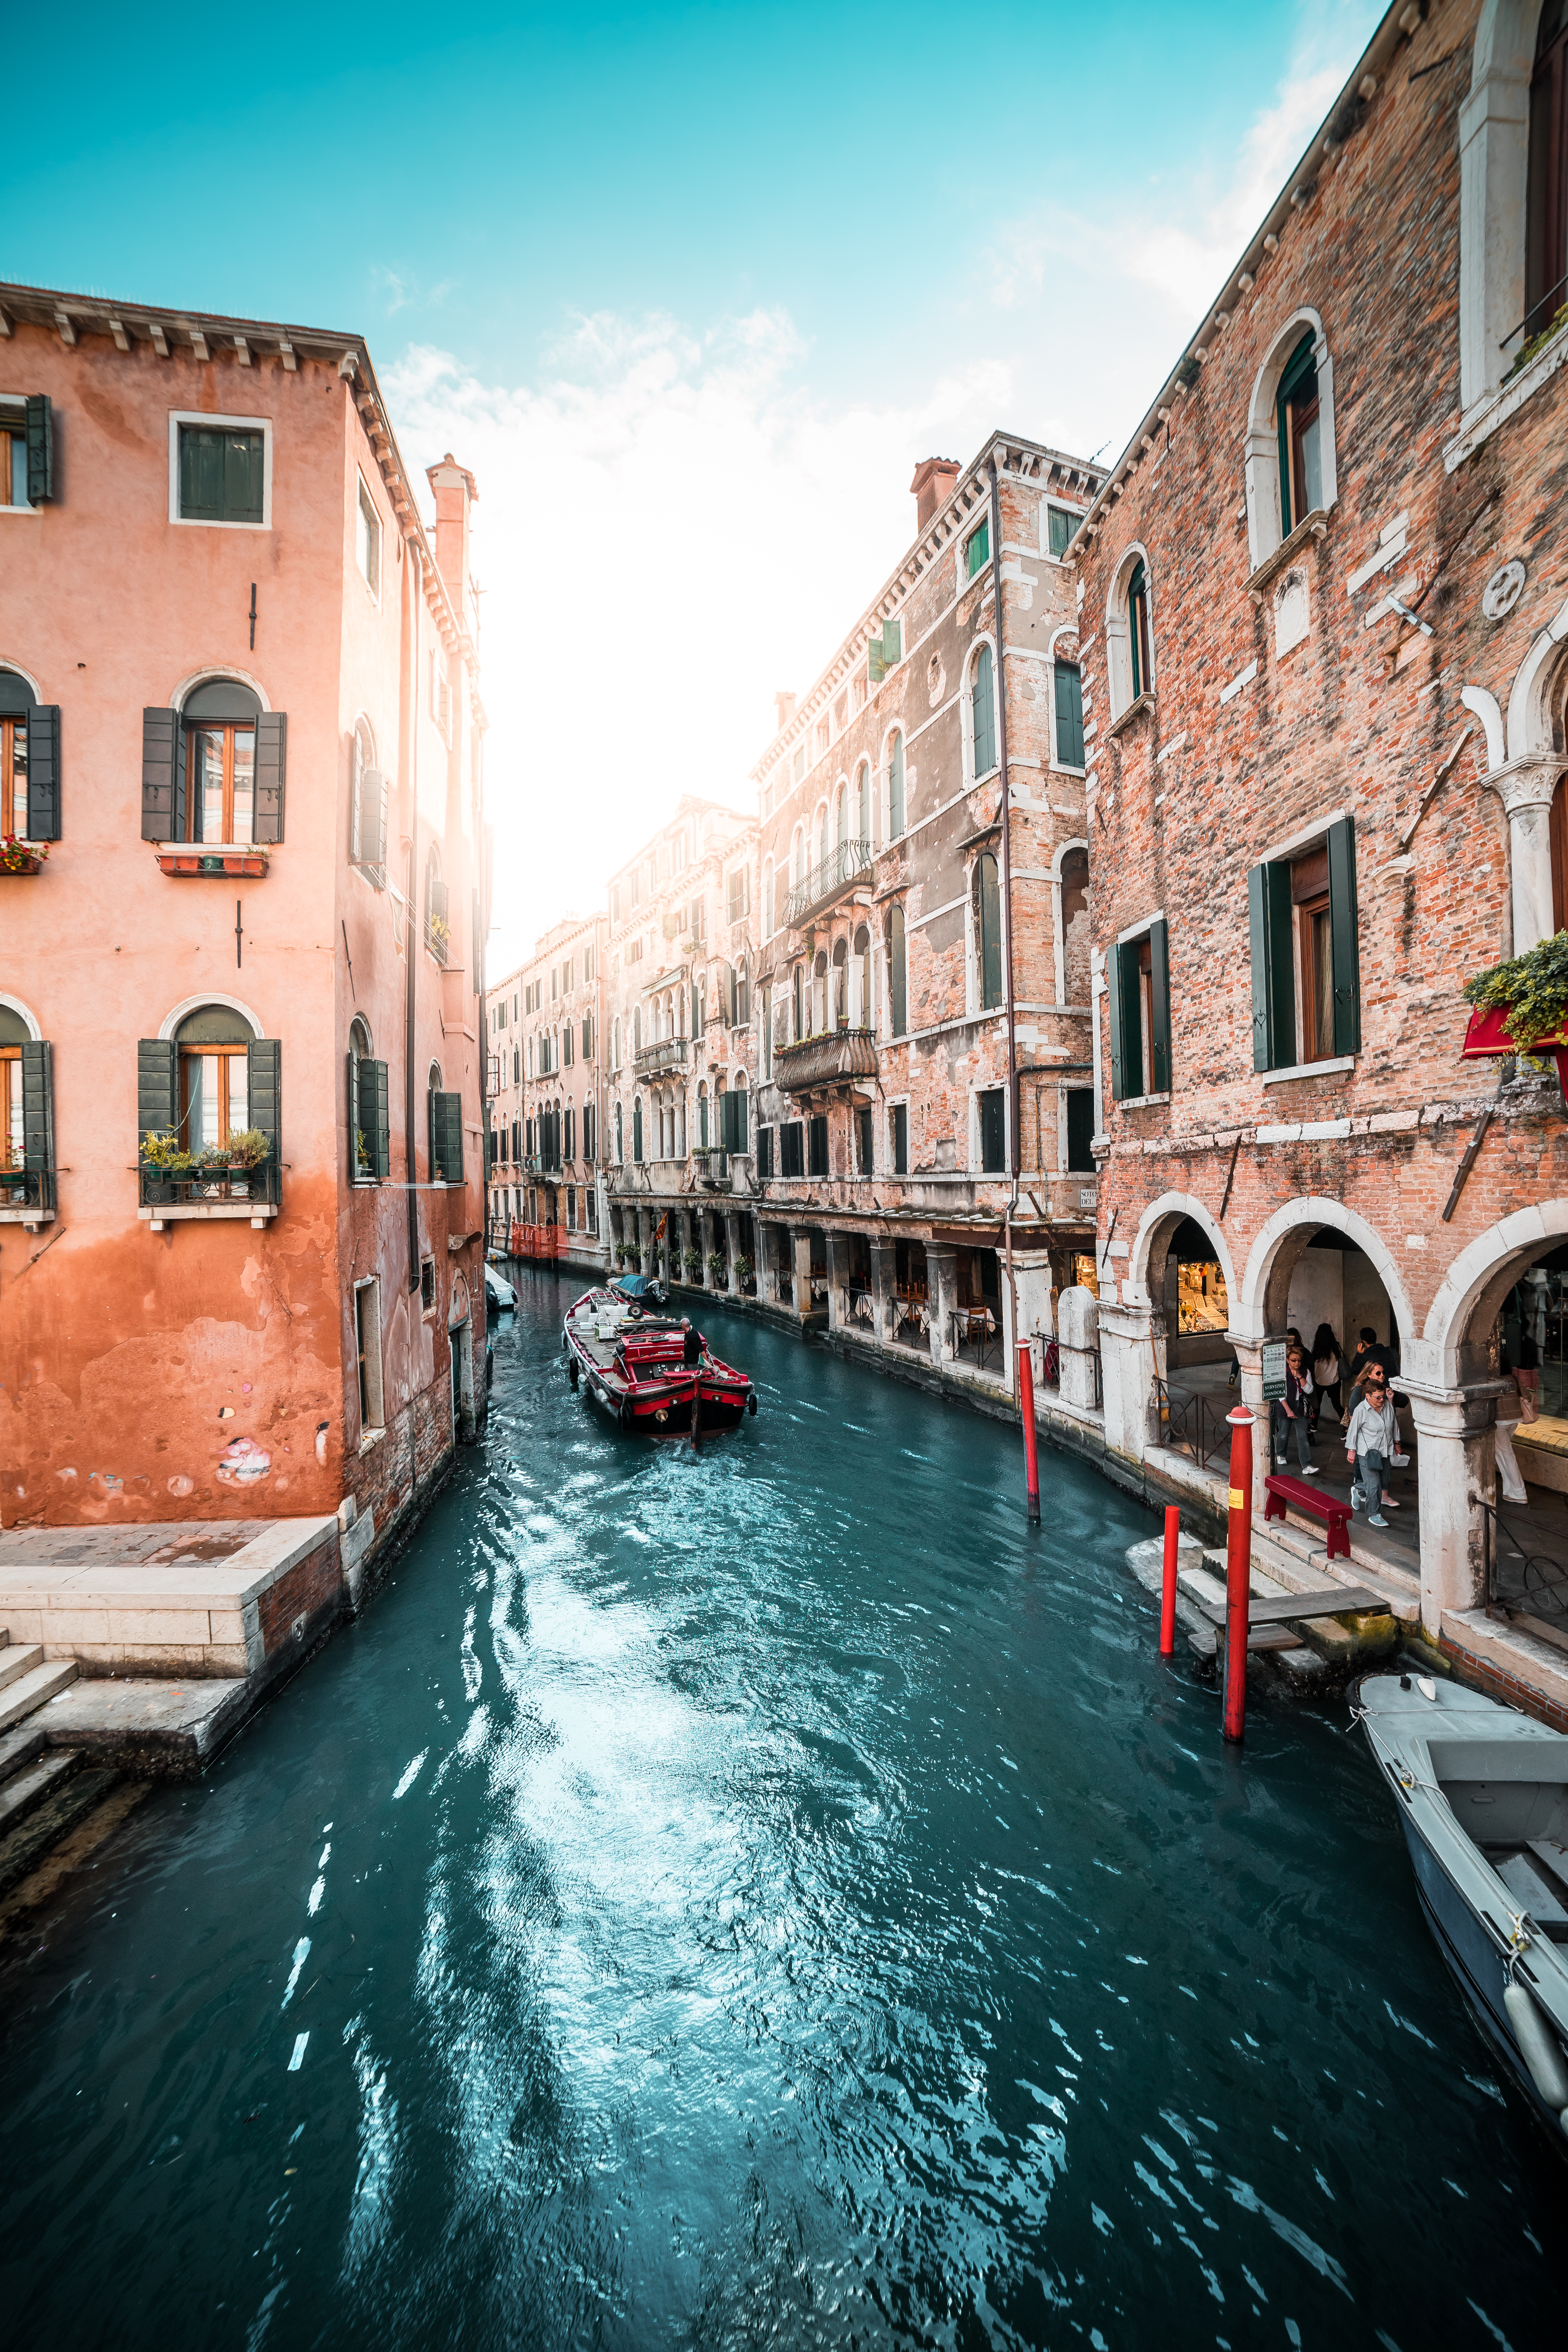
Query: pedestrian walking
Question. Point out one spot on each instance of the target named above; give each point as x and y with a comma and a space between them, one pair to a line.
1511, 1411
1371, 1441
1328, 1373
1293, 1411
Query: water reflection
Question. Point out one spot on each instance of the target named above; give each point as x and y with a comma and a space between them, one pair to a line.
763, 1895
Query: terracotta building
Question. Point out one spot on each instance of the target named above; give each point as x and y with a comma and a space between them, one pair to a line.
1322, 614
924, 1105
240, 1026
681, 949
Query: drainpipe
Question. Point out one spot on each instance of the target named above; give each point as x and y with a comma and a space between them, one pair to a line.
1001, 670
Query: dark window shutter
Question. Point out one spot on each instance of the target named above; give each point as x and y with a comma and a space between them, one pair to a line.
993, 1131
988, 906
1343, 936
157, 1075
44, 771
163, 774
264, 1065
271, 759
1069, 713
896, 973
1113, 1023
38, 1112
356, 1121
40, 449
374, 1098
1273, 968
1159, 1005
446, 1137
1080, 1130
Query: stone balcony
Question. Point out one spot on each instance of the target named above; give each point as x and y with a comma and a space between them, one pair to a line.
838, 1058
652, 1061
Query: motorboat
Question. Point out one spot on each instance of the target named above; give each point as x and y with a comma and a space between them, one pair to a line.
644, 1290
1482, 1797
655, 1373
499, 1296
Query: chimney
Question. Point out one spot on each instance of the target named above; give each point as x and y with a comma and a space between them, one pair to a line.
783, 710
932, 486
455, 493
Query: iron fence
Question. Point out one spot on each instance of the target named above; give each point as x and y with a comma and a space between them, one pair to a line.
1189, 1421
1526, 1562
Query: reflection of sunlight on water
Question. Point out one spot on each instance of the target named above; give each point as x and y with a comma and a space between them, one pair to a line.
370, 2216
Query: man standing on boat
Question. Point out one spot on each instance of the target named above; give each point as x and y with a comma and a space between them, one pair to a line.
1371, 1441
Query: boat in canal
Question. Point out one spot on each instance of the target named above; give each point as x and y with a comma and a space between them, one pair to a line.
1482, 1798
653, 1373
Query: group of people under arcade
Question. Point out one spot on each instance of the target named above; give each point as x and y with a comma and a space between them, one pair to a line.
1360, 1386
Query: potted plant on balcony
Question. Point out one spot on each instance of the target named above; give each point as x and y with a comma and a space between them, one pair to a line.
1520, 1008
438, 931
164, 1160
245, 1153
21, 856
718, 1269
692, 1260
620, 1256
745, 1274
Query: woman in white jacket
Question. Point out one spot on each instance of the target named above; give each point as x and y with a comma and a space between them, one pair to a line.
1371, 1443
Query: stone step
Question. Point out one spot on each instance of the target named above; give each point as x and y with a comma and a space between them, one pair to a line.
19, 1746
19, 1658
57, 1812
26, 1789
33, 1688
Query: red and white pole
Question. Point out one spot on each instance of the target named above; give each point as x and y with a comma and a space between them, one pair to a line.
1168, 1589
1031, 1453
1239, 1571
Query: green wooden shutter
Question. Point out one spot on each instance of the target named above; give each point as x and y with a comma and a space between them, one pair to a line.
984, 706
1344, 937
271, 760
1113, 1023
157, 1084
896, 789
356, 1121
1273, 968
989, 908
979, 548
897, 977
44, 771
38, 1116
1070, 714
446, 1137
1159, 1005
264, 1069
374, 1096
40, 449
163, 774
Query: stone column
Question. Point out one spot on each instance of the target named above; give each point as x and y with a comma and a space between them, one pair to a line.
732, 1251
1079, 1337
884, 1276
1457, 1468
1128, 1335
801, 1242
1249, 1391
1526, 790
1032, 1278
837, 1281
942, 1275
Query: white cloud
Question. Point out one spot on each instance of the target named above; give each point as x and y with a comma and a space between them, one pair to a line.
670, 528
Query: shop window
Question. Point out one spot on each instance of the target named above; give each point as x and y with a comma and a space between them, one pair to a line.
792, 1149
901, 1138
1298, 424
1546, 201
1080, 1130
983, 713
993, 1109
986, 907
898, 990
1069, 715
816, 1145
1306, 957
1138, 991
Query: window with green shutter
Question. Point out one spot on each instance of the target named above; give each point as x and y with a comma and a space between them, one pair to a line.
1138, 988
446, 1137
986, 902
1069, 715
982, 706
765, 1152
1304, 930
977, 547
1062, 529
792, 1149
993, 1131
816, 1145
886, 652
896, 789
222, 474
897, 977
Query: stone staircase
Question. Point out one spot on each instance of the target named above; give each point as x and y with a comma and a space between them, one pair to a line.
43, 1790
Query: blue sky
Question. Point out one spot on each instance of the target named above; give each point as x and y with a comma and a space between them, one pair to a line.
691, 289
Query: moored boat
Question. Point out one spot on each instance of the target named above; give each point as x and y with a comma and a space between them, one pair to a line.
653, 1373
1482, 1797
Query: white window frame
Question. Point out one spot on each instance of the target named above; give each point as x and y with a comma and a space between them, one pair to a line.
1066, 507
1068, 631
372, 1432
262, 425
1118, 634
14, 405
366, 499
1265, 509
966, 713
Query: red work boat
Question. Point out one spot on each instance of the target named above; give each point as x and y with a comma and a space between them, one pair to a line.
652, 1372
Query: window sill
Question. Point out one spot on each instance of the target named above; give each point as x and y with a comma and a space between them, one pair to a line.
220, 857
1141, 1102
369, 1438
1483, 420
1311, 527
31, 1218
21, 510
259, 1213
1308, 1070
1145, 702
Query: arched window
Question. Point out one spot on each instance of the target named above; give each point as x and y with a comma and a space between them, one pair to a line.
860, 1009
1138, 630
983, 713
1546, 201
29, 763
366, 1102
863, 806
897, 975
985, 900
433, 1078
838, 1009
794, 980
1290, 468
219, 723
636, 1129
702, 1116
367, 808
896, 789
768, 925
797, 857
436, 932
213, 1105
569, 1144
819, 993
1299, 427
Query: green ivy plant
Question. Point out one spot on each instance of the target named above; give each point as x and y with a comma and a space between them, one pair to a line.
718, 1267
1534, 987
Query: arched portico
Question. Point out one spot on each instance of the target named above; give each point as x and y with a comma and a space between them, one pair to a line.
1263, 1304
1456, 1344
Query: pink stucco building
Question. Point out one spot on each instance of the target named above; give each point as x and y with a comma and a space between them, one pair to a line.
241, 750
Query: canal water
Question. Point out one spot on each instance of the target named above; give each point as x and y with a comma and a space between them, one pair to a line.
767, 1897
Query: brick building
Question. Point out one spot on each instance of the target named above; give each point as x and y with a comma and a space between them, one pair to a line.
681, 949
1322, 599
248, 924
923, 1102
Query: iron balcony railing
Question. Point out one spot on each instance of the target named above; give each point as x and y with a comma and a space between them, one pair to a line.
820, 885
670, 1054
204, 1186
27, 1188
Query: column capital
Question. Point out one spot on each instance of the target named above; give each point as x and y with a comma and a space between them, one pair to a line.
1528, 781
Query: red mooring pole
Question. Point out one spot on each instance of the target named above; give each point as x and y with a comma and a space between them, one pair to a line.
1168, 1589
1239, 1571
1031, 1454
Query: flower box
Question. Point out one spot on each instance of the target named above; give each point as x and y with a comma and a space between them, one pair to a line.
22, 856
190, 857
1487, 1039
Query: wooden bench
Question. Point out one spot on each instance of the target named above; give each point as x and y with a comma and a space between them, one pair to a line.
1295, 1494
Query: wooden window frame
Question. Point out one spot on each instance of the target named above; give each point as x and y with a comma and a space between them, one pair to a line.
13, 434
228, 728
8, 728
223, 1054
1546, 186
12, 1163
1141, 665
1310, 903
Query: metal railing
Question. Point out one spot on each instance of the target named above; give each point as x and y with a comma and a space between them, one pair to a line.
207, 1187
820, 883
27, 1188
1526, 1562
1189, 1421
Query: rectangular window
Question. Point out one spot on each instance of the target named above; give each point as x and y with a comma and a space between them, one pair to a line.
1300, 438
901, 1138
737, 895
14, 455
792, 1149
765, 1152
733, 1120
367, 540
367, 1347
816, 1145
428, 1284
1062, 528
222, 473
797, 769
1080, 1129
885, 652
1139, 997
863, 1132
591, 1204
1069, 715
977, 547
1306, 954
993, 1131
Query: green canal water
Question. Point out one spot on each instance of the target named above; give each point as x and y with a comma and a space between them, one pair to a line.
767, 1897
